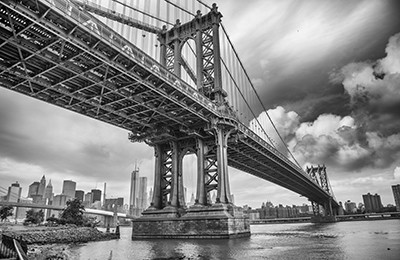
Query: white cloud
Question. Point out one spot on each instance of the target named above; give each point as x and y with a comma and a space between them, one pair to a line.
396, 173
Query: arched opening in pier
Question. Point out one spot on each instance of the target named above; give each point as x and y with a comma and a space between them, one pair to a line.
189, 173
188, 54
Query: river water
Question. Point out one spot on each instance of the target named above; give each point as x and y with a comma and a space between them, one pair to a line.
378, 239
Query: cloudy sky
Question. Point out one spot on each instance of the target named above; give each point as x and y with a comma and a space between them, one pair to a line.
327, 71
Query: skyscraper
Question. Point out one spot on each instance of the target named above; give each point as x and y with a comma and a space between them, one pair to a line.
48, 193
142, 198
96, 195
14, 192
372, 203
80, 194
42, 186
88, 199
33, 189
133, 198
396, 194
69, 188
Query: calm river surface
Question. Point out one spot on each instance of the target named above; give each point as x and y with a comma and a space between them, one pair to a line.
378, 239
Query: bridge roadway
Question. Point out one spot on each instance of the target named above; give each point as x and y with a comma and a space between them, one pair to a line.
54, 52
53, 207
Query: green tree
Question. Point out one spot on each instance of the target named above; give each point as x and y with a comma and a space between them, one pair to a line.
34, 217
73, 213
5, 212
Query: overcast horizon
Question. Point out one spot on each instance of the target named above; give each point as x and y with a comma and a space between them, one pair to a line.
328, 73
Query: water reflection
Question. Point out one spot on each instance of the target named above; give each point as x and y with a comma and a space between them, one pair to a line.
344, 240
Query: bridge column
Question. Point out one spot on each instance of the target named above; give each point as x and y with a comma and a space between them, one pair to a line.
199, 52
201, 193
157, 200
177, 51
177, 198
216, 20
163, 48
223, 194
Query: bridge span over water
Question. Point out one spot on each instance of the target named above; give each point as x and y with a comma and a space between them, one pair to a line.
63, 53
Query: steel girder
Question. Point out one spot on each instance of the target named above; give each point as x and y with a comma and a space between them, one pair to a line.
77, 63
66, 63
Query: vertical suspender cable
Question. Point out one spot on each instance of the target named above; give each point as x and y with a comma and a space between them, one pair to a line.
258, 97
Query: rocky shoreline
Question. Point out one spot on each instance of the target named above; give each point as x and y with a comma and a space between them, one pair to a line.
53, 242
67, 234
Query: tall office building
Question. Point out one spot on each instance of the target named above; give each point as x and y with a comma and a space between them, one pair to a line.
80, 194
33, 189
69, 188
396, 195
96, 195
42, 186
48, 193
134, 194
372, 203
14, 192
87, 199
60, 200
142, 198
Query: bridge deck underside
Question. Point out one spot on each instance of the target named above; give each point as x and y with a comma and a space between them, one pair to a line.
55, 56
64, 63
249, 156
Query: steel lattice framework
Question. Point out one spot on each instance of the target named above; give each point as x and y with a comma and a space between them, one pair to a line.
57, 53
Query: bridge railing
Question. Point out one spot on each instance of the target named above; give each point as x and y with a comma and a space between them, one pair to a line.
131, 51
12, 248
247, 131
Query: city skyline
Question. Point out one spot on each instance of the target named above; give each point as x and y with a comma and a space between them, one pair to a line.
307, 66
17, 188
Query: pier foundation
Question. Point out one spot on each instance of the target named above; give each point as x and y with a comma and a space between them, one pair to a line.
216, 221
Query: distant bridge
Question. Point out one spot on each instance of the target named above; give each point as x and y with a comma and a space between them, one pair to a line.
53, 207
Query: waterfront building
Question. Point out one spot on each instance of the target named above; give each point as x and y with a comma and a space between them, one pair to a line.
14, 192
48, 193
96, 195
69, 188
134, 192
253, 214
33, 189
87, 199
396, 195
114, 203
80, 194
372, 203
350, 207
42, 186
60, 200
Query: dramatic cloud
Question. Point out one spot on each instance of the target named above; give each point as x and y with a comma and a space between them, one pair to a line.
64, 145
396, 173
333, 140
374, 88
295, 44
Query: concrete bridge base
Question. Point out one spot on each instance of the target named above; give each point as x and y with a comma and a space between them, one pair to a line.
216, 221
323, 219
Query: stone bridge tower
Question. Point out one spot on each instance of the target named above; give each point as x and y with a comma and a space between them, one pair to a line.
168, 215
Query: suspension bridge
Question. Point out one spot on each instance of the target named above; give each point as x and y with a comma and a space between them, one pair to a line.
167, 72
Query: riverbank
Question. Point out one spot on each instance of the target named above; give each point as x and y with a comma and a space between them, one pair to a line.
54, 242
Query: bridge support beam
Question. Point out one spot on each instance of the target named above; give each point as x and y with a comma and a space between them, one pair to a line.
168, 216
323, 214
